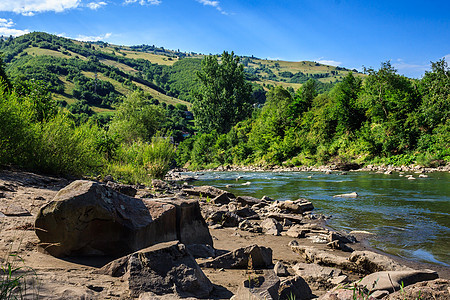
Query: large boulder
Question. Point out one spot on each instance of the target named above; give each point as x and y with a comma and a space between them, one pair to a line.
370, 262
298, 206
190, 224
88, 218
261, 257
324, 258
392, 280
166, 268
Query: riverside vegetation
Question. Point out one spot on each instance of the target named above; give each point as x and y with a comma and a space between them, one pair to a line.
94, 109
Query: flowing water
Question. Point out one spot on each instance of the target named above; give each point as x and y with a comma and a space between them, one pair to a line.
410, 218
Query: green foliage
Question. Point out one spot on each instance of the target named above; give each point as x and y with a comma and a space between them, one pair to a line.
385, 119
224, 97
136, 118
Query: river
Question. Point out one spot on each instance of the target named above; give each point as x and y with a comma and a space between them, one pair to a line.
410, 218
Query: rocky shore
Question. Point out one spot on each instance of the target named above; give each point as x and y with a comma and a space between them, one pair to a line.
441, 167
82, 239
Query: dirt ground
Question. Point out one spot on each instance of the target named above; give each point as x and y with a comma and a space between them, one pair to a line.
21, 196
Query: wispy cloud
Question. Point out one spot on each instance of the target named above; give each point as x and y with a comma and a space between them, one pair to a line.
328, 62
410, 69
144, 2
447, 58
6, 28
30, 7
96, 5
91, 38
215, 4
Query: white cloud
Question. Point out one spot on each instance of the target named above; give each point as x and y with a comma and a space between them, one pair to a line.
328, 62
447, 58
30, 7
7, 30
144, 2
215, 4
90, 38
96, 5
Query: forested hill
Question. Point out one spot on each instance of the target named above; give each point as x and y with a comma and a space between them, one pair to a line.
95, 75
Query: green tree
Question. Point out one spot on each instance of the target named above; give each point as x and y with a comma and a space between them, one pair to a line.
224, 97
303, 98
136, 119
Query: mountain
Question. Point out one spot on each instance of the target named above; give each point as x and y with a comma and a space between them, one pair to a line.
95, 75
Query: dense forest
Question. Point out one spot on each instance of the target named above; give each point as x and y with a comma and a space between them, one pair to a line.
68, 107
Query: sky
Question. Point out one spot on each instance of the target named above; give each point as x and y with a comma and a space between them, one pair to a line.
346, 33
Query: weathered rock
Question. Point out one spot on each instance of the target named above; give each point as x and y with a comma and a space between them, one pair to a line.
160, 184
298, 219
338, 279
341, 294
338, 245
221, 199
250, 227
315, 272
349, 195
370, 262
295, 287
191, 227
280, 269
224, 218
392, 280
325, 258
201, 250
208, 191
14, 210
271, 226
259, 287
87, 218
438, 289
246, 212
125, 189
299, 206
166, 268
344, 238
239, 258
248, 200
297, 231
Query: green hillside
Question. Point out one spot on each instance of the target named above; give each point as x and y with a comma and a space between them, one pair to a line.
99, 74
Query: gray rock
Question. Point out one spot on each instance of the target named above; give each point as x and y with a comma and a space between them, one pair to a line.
208, 191
224, 218
315, 272
438, 289
239, 258
370, 262
271, 226
221, 199
166, 268
248, 200
125, 189
325, 258
14, 210
246, 212
88, 218
191, 227
295, 287
344, 238
298, 207
201, 251
392, 280
338, 245
297, 231
259, 287
280, 269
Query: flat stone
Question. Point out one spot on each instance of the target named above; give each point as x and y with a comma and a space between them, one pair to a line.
259, 287
239, 258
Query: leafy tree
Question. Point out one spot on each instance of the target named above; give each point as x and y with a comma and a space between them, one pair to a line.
224, 97
136, 119
303, 98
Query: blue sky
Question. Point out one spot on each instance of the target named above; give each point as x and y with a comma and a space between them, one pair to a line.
347, 33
